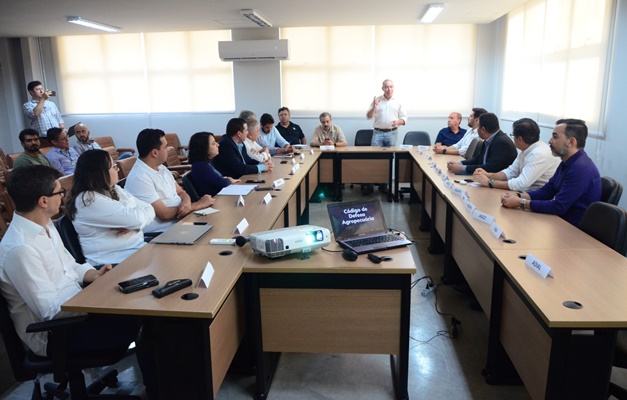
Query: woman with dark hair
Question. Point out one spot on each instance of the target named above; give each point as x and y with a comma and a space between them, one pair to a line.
205, 177
108, 219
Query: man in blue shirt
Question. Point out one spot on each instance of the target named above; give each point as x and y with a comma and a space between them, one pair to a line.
452, 133
576, 183
276, 143
62, 157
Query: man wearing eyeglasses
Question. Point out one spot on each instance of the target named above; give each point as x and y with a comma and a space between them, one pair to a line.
37, 274
62, 156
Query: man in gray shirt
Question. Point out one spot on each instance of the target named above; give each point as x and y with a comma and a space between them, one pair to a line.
83, 143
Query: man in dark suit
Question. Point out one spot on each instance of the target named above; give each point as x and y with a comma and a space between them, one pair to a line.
497, 152
233, 160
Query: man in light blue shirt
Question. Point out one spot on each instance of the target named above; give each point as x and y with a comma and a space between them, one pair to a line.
62, 157
276, 143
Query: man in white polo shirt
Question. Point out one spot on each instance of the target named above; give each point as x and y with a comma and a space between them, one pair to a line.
153, 183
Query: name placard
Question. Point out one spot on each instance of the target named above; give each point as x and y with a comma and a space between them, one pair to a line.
483, 217
448, 183
405, 146
311, 151
327, 147
538, 266
423, 147
469, 206
240, 201
293, 161
457, 191
443, 176
438, 170
205, 278
302, 156
293, 170
267, 198
241, 227
278, 182
428, 156
496, 230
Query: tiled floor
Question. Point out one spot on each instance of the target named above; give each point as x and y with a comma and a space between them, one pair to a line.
439, 367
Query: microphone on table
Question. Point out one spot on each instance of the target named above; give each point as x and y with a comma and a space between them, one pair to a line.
241, 240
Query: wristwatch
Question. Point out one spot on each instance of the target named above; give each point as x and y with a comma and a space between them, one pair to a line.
523, 204
443, 151
491, 183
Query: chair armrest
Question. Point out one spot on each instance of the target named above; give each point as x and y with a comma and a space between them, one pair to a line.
124, 150
55, 324
180, 167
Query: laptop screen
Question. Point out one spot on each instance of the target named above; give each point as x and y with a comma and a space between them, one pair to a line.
356, 218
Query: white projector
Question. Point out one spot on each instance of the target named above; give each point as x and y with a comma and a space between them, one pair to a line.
297, 239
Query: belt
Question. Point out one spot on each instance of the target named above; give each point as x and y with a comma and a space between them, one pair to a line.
385, 130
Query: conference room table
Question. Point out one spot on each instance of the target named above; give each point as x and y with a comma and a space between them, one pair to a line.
556, 334
196, 341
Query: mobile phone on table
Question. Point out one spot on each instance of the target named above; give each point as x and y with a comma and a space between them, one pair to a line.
256, 181
135, 284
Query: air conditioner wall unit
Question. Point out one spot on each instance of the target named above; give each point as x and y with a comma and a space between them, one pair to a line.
254, 50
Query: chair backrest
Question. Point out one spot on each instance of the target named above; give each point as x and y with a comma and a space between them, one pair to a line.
611, 190
188, 185
417, 138
473, 148
173, 140
125, 165
173, 157
105, 141
363, 137
113, 152
70, 238
606, 223
10, 159
13, 344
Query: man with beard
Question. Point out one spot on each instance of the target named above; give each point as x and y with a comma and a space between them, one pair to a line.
462, 146
29, 138
576, 183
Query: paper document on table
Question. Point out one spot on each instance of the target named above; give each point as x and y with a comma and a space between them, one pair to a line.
207, 274
237, 190
206, 211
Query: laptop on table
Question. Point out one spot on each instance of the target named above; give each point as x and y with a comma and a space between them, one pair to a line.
360, 226
183, 234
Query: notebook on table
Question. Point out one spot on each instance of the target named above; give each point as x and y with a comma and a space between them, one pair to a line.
360, 226
183, 234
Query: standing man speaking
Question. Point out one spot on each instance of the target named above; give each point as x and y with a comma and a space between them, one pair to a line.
388, 115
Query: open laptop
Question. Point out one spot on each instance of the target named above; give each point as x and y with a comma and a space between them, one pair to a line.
360, 226
183, 234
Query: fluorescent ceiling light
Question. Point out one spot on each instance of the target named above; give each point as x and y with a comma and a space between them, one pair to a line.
256, 18
93, 24
431, 12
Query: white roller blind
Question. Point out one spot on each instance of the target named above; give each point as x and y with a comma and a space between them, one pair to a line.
139, 73
340, 69
555, 61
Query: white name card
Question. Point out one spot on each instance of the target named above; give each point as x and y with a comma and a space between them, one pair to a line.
302, 156
432, 164
469, 206
293, 161
311, 151
293, 170
419, 151
483, 217
444, 176
278, 182
240, 201
457, 190
327, 147
448, 183
423, 147
496, 230
241, 227
438, 170
541, 268
405, 146
267, 198
205, 278
428, 156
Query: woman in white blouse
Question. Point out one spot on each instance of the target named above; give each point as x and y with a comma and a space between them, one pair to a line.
108, 219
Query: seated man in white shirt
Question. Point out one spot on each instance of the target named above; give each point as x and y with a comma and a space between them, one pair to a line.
153, 183
255, 151
533, 167
462, 146
38, 275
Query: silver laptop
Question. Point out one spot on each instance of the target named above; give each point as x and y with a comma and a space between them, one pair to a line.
360, 226
183, 233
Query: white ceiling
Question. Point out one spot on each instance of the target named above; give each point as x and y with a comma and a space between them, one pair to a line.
42, 18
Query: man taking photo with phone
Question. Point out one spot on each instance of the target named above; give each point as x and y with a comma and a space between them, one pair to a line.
41, 113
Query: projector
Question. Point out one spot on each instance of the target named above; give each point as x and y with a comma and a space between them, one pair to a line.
297, 239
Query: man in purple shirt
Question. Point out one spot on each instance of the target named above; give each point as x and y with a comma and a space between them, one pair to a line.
576, 183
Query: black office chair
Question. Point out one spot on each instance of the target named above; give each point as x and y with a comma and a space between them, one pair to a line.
363, 137
474, 147
188, 185
70, 238
417, 138
66, 369
611, 190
